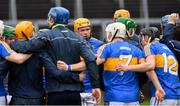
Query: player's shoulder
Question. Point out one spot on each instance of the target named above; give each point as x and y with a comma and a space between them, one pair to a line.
2, 44
131, 46
96, 40
43, 33
106, 44
101, 48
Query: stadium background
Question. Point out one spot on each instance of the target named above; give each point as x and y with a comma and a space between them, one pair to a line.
100, 12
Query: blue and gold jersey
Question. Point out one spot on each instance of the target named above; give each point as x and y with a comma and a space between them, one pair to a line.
4, 51
166, 69
95, 44
120, 86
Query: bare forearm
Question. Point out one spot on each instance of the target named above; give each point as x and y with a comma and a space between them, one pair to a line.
143, 67
153, 77
18, 57
81, 66
146, 66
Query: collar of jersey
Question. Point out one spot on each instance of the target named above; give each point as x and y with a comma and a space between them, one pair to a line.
58, 25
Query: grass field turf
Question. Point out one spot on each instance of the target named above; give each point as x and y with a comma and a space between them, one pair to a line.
145, 103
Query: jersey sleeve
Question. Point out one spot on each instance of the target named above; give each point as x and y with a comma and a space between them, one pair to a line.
103, 52
4, 51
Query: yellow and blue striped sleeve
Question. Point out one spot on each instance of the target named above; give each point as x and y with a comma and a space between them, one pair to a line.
102, 52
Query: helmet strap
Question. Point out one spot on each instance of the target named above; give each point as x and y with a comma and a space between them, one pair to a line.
24, 35
130, 35
127, 33
149, 40
114, 35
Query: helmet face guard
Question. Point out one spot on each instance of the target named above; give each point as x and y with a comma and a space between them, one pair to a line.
131, 32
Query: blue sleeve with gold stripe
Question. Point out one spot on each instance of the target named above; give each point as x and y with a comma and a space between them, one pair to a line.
104, 52
3, 52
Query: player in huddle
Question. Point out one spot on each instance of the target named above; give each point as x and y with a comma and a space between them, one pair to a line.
165, 65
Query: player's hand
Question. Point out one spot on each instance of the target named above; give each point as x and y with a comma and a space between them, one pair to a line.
82, 76
142, 98
173, 18
160, 94
62, 65
96, 92
120, 67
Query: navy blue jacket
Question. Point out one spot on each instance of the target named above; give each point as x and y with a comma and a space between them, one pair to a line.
25, 80
63, 44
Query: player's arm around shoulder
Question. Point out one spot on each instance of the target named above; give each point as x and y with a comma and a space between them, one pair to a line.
10, 55
144, 66
101, 54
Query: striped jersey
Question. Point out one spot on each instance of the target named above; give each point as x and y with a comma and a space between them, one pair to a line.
120, 86
166, 69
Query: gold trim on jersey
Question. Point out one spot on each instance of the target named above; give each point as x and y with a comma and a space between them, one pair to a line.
110, 63
100, 50
160, 62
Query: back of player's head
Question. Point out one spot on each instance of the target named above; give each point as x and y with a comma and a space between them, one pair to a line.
115, 30
24, 29
130, 25
128, 22
121, 13
148, 32
60, 15
155, 31
8, 31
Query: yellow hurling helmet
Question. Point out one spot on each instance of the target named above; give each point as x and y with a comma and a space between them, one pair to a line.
81, 22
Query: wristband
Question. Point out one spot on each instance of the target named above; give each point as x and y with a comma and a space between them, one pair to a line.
69, 68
